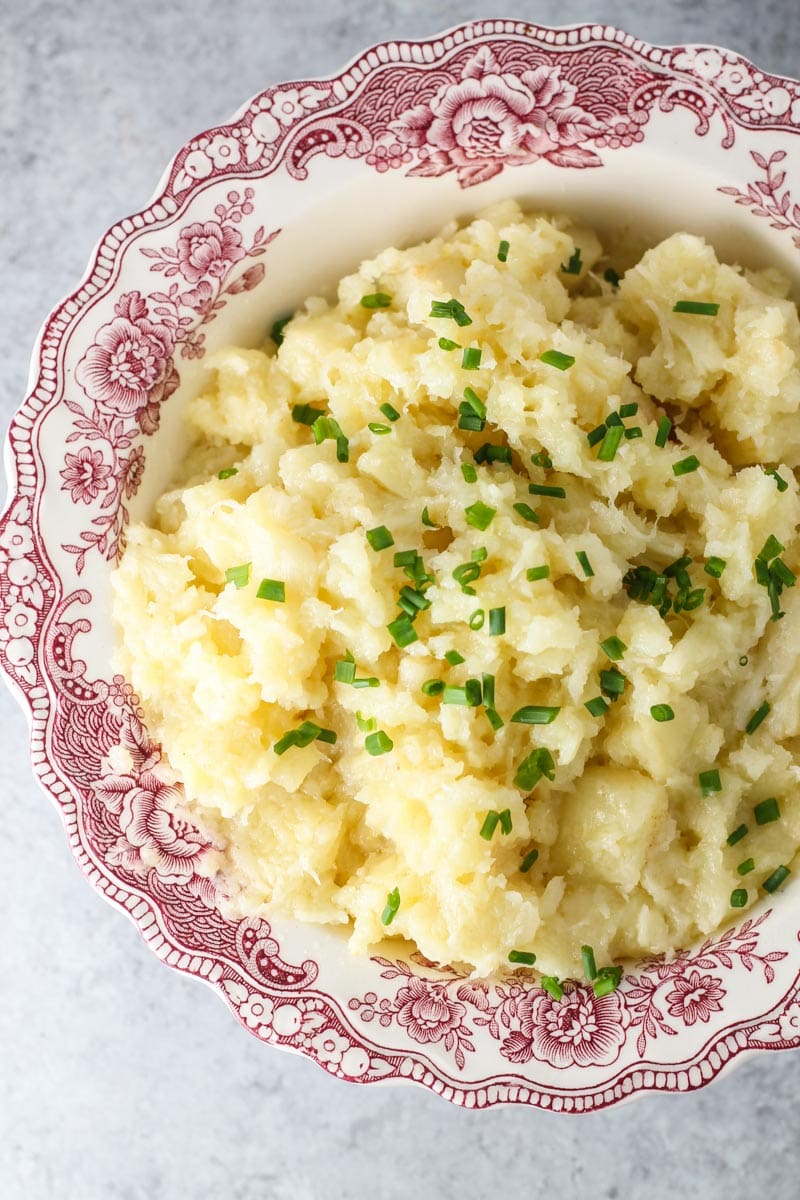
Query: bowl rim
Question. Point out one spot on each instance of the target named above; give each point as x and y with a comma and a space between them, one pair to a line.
162, 203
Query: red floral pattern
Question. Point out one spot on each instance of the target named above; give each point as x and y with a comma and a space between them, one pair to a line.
468, 105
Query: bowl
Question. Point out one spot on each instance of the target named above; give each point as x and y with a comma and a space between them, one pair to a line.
249, 218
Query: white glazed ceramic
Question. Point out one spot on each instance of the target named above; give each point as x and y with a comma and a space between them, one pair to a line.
250, 217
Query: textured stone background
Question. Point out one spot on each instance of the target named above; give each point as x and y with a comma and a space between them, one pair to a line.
120, 1080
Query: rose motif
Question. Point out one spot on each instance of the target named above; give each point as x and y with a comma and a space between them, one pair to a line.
132, 471
129, 361
208, 249
257, 1010
580, 1029
85, 475
695, 998
329, 1046
152, 835
426, 1010
20, 620
789, 1022
489, 120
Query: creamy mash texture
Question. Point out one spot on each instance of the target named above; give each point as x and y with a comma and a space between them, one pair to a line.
472, 535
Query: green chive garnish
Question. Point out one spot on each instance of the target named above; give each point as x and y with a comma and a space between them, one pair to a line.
378, 743
497, 621
767, 811
380, 538
554, 358
365, 724
272, 589
589, 965
433, 687
502, 251
494, 718
538, 764
402, 630
378, 428
276, 332
573, 265
469, 473
662, 712
613, 648
306, 414
376, 300
710, 782
607, 981
505, 821
552, 986
700, 308
479, 515
744, 868
612, 682
492, 453
597, 706
238, 576
664, 430
392, 905
477, 619
453, 309
304, 735
534, 573
544, 489
611, 276
528, 861
448, 344
610, 443
227, 472
758, 716
771, 549
715, 566
634, 431
526, 957
426, 519
596, 435
586, 566
686, 465
526, 512
471, 358
490, 823
487, 681
737, 835
738, 897
774, 881
474, 403
390, 412
535, 714
468, 696
780, 482
454, 658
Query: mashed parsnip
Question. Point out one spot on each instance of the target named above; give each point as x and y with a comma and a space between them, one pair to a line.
490, 835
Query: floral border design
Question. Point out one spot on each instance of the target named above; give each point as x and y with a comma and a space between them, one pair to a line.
481, 98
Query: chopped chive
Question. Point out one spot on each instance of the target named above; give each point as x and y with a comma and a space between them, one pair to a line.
494, 718
238, 576
554, 358
415, 598
612, 682
477, 619
468, 696
700, 308
465, 574
634, 431
552, 986
469, 473
774, 881
479, 554
758, 716
380, 538
365, 724
528, 861
497, 621
738, 897
378, 428
586, 566
474, 402
492, 453
611, 276
780, 482
662, 712
306, 414
737, 835
390, 412
402, 630
744, 868
378, 743
767, 811
535, 714
597, 706
376, 300
276, 331
526, 512
426, 518
506, 823
392, 905
629, 410
487, 681
272, 589
227, 472
327, 735
545, 489
490, 823
542, 459
780, 570
448, 344
596, 435
613, 419
715, 566
589, 965
537, 765
502, 250
304, 735
607, 981
471, 358
710, 782
686, 465
610, 444
479, 515
573, 265
771, 549
526, 957
534, 573
453, 309
433, 687
471, 423
454, 658
405, 558
613, 648
744, 660
372, 682
663, 432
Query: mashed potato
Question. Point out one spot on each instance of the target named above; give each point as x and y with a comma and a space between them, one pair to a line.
620, 608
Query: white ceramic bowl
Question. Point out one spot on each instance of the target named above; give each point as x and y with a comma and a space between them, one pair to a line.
249, 218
